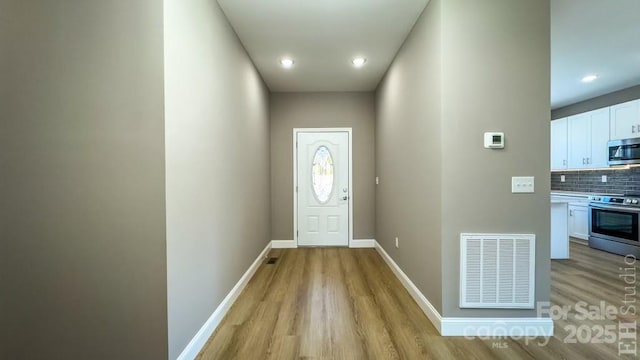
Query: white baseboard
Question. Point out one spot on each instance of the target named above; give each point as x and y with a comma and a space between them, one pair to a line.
284, 244
580, 241
472, 327
355, 243
416, 294
363, 243
496, 327
200, 339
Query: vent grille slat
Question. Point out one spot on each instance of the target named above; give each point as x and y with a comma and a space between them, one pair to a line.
473, 269
497, 271
505, 276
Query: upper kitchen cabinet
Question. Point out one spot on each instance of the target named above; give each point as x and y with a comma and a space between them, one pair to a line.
559, 144
625, 120
579, 140
588, 134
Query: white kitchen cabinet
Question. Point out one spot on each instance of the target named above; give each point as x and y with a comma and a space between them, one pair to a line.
579, 140
559, 230
625, 120
599, 138
559, 144
588, 134
579, 221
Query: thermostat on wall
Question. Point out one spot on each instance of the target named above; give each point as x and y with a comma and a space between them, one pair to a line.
494, 140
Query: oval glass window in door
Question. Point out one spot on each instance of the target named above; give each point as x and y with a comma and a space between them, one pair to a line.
322, 174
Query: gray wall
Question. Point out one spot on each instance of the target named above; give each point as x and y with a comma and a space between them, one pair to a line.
495, 78
493, 60
82, 216
320, 110
613, 98
409, 157
217, 164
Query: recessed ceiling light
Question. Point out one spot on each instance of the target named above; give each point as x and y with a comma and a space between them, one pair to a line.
358, 61
589, 78
286, 62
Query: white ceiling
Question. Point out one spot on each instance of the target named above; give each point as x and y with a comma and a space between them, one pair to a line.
322, 36
593, 36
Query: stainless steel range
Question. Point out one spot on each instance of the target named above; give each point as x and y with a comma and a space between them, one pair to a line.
614, 224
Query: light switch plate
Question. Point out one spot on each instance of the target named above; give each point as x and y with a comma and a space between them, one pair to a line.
562, 178
522, 184
604, 178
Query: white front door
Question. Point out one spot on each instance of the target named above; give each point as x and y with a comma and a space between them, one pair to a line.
323, 188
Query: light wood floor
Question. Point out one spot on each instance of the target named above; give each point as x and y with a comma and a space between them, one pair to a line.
339, 303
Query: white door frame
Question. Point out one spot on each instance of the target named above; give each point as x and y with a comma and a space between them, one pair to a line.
295, 176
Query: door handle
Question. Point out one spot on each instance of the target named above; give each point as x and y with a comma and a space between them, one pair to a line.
633, 129
584, 161
345, 198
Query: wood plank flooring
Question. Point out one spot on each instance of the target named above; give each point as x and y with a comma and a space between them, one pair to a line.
339, 303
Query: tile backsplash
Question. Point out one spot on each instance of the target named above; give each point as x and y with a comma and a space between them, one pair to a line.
624, 181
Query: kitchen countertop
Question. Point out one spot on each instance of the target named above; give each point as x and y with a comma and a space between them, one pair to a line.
574, 198
569, 197
579, 194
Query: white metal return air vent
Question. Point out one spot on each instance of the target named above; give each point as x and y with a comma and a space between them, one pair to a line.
497, 271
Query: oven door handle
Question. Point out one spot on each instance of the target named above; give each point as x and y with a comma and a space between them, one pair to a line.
612, 207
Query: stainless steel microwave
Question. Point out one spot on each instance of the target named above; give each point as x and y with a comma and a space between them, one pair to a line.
622, 152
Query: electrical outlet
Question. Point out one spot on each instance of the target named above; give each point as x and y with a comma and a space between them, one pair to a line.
604, 178
562, 178
397, 243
